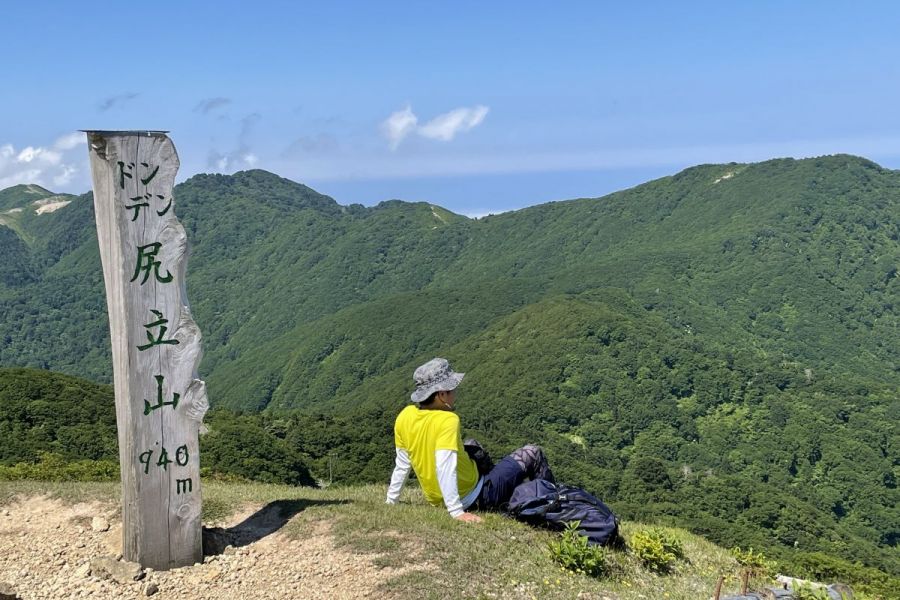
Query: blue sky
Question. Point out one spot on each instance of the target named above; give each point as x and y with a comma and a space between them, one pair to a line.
477, 106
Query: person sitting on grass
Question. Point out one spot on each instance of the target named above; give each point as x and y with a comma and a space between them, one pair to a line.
428, 439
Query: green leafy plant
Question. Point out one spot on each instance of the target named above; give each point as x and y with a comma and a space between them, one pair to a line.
573, 553
755, 562
805, 591
656, 549
53, 467
808, 592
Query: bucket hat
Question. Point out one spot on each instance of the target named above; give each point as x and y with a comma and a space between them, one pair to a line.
434, 376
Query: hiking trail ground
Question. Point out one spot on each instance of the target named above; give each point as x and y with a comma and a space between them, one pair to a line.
46, 547
320, 543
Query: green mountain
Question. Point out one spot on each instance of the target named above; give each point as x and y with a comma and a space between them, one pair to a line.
794, 259
20, 196
715, 349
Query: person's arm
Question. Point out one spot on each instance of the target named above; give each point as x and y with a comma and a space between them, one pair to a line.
398, 478
448, 441
446, 472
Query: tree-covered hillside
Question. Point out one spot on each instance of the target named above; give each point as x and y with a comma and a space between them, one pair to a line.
62, 427
797, 259
717, 348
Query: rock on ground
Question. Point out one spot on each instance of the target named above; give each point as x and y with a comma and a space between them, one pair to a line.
120, 571
99, 524
7, 592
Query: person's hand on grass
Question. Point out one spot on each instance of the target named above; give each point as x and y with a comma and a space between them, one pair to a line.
469, 518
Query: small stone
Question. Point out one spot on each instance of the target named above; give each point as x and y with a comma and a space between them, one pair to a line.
112, 539
107, 567
7, 592
83, 571
79, 544
151, 589
99, 524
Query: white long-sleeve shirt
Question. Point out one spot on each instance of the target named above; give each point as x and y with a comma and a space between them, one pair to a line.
445, 461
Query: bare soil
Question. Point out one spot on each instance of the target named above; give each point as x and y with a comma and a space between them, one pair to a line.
46, 546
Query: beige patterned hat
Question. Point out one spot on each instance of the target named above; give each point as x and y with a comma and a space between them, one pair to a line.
434, 376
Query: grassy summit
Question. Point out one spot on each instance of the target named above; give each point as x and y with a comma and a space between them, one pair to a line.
416, 550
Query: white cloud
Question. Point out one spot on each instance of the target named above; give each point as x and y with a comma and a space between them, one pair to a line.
17, 177
64, 176
231, 161
241, 157
69, 141
399, 125
445, 127
53, 166
39, 155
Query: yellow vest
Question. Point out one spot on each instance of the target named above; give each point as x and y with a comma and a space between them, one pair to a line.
421, 433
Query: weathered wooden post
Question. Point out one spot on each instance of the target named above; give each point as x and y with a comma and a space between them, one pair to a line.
160, 402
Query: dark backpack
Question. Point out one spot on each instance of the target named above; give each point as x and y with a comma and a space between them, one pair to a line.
479, 455
540, 502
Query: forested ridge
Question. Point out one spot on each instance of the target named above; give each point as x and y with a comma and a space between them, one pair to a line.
716, 349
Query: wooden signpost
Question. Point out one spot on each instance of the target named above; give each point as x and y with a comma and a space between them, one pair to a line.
160, 402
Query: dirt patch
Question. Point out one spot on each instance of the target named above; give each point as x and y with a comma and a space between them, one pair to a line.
46, 547
49, 205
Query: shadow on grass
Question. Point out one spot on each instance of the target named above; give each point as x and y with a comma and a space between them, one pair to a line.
266, 521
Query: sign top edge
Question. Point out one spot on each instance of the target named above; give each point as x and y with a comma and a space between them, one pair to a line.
110, 133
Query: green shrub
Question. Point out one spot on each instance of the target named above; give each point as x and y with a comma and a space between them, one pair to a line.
656, 549
822, 567
53, 467
807, 592
241, 447
755, 562
573, 553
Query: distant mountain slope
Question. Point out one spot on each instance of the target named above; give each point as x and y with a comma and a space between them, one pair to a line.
20, 196
797, 259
